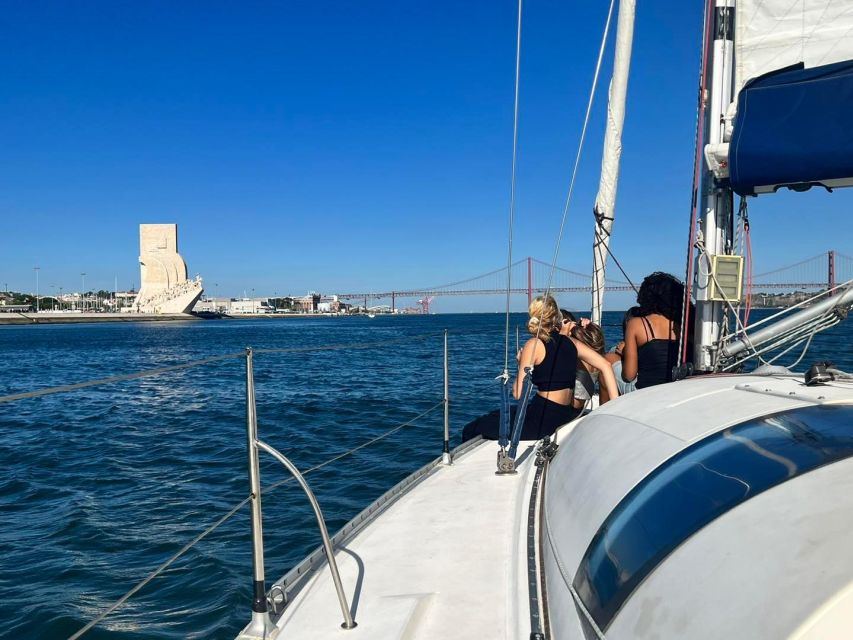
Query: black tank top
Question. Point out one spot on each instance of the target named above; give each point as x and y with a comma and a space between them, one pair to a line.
655, 360
558, 368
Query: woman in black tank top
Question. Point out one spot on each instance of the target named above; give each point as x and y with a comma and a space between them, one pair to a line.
651, 338
554, 359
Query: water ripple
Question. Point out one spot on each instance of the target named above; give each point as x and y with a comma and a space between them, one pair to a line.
102, 485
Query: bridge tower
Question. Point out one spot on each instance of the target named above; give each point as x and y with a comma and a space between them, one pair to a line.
529, 281
830, 279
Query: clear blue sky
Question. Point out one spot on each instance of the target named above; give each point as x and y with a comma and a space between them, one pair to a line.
345, 145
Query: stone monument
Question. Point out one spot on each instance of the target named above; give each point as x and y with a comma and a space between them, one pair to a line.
165, 287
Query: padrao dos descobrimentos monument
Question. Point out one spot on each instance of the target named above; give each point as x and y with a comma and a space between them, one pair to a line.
165, 287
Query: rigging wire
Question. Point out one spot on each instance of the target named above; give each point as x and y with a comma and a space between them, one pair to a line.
165, 565
65, 388
512, 192
161, 568
580, 145
699, 138
516, 432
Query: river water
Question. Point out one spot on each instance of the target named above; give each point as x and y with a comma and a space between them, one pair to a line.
101, 485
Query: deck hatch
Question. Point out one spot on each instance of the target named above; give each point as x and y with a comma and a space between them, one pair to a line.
698, 485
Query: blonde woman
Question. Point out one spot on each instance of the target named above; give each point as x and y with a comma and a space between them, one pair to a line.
554, 358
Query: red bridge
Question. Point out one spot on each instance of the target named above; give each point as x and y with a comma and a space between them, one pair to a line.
530, 276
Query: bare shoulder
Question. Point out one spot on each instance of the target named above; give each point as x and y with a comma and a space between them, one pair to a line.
634, 325
534, 349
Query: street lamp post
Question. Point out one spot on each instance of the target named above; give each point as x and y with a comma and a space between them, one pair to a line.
60, 298
253, 300
36, 269
83, 293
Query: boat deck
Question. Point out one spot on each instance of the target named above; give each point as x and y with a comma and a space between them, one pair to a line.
404, 580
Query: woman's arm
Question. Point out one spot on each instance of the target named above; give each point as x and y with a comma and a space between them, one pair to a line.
603, 396
607, 379
526, 358
629, 351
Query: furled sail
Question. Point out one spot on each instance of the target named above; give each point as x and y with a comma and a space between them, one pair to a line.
793, 84
605, 201
775, 34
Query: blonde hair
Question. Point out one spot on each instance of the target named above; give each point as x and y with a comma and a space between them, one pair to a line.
591, 335
545, 317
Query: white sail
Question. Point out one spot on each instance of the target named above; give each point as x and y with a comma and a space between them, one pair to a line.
773, 34
605, 201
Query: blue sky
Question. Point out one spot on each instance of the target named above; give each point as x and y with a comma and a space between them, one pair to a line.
339, 146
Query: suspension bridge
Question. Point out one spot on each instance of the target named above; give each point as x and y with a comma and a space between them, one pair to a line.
530, 276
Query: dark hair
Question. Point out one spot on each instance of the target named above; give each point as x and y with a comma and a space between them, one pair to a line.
661, 293
633, 312
567, 315
591, 335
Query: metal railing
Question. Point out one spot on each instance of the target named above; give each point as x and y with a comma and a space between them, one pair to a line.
261, 623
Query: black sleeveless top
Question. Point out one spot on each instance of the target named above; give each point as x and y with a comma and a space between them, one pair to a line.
655, 360
558, 368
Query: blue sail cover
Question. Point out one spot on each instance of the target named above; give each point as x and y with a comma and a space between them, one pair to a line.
794, 128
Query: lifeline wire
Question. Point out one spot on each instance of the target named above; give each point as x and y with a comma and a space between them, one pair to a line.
228, 515
121, 378
160, 569
353, 450
197, 363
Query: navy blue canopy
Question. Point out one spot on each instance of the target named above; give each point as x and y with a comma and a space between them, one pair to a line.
794, 128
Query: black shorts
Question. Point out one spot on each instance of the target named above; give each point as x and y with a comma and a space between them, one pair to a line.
542, 419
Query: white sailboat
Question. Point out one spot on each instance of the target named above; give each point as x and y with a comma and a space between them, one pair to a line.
718, 506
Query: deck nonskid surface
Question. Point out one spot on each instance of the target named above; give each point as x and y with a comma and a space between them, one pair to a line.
446, 560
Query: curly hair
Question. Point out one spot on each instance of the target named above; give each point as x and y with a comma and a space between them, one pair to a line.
661, 293
544, 317
591, 335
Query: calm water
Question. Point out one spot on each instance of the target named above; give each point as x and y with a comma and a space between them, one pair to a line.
103, 484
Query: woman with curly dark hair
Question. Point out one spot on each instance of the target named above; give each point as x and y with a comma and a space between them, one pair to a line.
651, 338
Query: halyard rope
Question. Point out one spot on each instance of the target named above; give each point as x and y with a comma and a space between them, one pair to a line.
516, 432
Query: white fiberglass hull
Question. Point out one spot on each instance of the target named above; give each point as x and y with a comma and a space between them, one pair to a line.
448, 558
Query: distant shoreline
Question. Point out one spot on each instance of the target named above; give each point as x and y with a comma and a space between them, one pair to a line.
47, 317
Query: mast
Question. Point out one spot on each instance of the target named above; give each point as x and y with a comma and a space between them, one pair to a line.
716, 218
605, 201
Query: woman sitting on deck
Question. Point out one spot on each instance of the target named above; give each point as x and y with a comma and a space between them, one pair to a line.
554, 358
588, 376
651, 338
